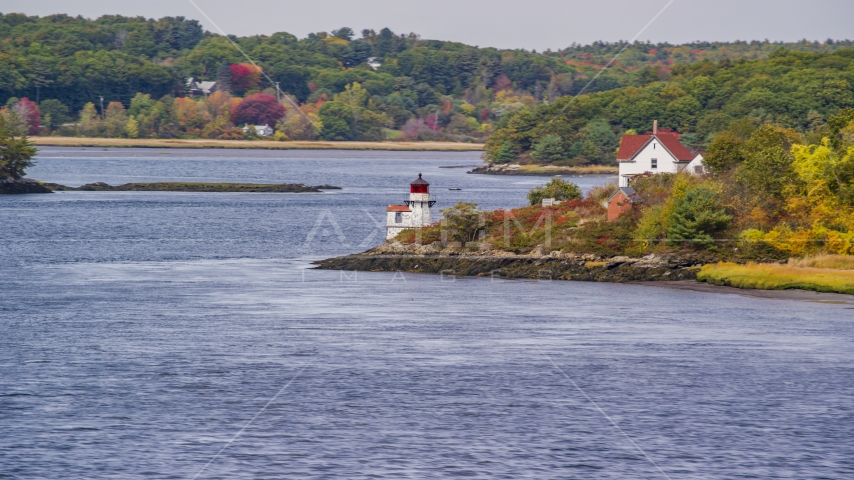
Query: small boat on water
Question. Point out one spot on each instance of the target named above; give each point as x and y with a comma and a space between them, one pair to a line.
455, 188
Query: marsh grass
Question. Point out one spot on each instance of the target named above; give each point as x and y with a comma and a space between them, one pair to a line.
838, 262
778, 277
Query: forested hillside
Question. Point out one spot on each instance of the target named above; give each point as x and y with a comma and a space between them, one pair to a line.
797, 90
374, 85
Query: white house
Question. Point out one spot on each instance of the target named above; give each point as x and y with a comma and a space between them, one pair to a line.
200, 88
656, 153
415, 213
696, 166
374, 63
260, 130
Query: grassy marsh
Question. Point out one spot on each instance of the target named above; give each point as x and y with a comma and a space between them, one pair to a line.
778, 277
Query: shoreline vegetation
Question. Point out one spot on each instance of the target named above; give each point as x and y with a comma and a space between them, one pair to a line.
194, 187
251, 144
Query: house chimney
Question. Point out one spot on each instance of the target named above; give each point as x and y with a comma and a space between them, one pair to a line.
655, 127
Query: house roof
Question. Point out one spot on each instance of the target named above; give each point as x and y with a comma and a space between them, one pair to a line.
419, 181
397, 208
629, 192
630, 145
206, 86
258, 128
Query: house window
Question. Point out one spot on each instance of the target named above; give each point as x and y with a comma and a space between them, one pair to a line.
654, 163
398, 217
698, 169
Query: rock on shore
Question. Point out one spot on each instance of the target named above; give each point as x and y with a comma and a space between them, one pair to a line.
497, 264
23, 185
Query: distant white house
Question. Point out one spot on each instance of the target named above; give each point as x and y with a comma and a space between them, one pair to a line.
655, 153
374, 63
200, 88
260, 130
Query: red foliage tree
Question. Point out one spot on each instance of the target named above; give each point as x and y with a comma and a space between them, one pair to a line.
432, 122
29, 113
258, 109
244, 77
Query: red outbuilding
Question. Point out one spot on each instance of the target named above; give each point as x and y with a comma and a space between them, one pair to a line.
621, 202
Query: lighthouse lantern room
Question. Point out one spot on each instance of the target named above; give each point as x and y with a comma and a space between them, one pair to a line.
414, 213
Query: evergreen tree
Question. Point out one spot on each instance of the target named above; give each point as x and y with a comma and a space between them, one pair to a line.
505, 154
549, 148
697, 216
223, 77
16, 152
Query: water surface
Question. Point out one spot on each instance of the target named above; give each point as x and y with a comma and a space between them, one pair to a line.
144, 332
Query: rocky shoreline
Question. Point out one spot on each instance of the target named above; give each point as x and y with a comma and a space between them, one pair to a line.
11, 186
451, 261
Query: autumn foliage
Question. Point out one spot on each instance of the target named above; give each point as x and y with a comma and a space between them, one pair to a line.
245, 77
28, 111
258, 109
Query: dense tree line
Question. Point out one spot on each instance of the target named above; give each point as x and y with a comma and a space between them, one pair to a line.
377, 84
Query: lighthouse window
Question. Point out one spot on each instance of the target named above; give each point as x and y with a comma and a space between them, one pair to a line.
398, 217
654, 163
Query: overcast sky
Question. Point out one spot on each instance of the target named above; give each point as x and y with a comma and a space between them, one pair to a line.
530, 24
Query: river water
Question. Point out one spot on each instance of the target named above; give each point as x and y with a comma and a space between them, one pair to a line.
184, 335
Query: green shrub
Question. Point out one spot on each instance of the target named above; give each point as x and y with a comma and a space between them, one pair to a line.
557, 189
462, 222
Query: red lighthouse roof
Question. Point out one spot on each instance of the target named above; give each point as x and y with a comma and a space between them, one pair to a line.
419, 186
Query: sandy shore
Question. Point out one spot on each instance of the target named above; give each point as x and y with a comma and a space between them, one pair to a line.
802, 295
259, 144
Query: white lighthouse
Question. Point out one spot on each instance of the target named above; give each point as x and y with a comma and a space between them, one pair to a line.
414, 213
